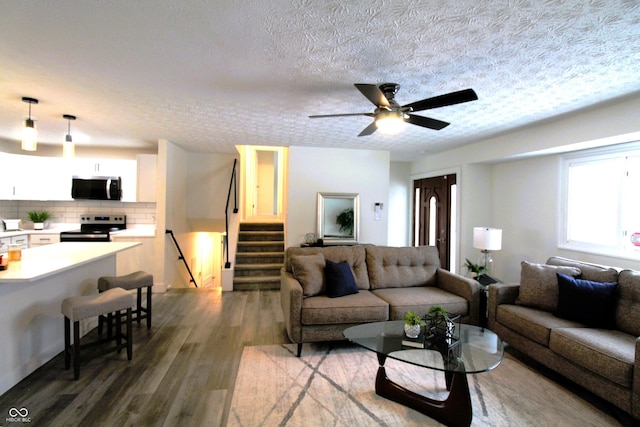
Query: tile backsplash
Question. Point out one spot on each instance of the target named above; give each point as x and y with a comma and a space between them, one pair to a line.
69, 212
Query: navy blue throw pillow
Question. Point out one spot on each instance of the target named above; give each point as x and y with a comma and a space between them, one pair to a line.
587, 302
339, 279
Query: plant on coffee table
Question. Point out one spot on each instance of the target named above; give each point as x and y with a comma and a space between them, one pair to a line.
412, 324
439, 323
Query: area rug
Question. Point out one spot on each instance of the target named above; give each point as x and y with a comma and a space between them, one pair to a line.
333, 385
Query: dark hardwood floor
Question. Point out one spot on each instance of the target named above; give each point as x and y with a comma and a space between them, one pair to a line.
182, 373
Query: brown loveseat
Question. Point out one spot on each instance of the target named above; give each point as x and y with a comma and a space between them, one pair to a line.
389, 281
588, 333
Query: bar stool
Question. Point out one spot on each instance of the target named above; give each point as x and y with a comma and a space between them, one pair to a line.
137, 280
78, 308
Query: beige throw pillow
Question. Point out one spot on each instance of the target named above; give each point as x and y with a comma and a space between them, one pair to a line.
309, 271
539, 285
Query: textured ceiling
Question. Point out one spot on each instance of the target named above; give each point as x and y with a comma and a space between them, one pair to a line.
208, 75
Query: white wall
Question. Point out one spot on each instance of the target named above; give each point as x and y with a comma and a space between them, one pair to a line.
512, 182
172, 169
399, 207
313, 170
526, 206
208, 175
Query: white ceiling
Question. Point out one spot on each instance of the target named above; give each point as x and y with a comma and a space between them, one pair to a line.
210, 74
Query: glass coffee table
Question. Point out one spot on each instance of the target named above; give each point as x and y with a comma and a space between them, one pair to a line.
478, 350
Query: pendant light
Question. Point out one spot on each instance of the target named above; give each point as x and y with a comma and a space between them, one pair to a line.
29, 133
68, 149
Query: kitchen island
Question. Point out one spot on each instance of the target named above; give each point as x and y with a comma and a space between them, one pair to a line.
31, 291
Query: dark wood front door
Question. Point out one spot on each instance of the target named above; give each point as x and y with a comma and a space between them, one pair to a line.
432, 199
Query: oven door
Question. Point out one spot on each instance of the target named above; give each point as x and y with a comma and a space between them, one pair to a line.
84, 236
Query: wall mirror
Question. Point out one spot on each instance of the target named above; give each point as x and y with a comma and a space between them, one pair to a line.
338, 218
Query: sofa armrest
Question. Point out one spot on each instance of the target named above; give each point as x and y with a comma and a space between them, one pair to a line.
500, 293
462, 286
291, 302
635, 384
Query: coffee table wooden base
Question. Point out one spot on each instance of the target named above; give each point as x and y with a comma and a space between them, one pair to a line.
455, 410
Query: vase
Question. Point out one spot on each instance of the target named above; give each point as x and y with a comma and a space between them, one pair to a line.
38, 225
412, 331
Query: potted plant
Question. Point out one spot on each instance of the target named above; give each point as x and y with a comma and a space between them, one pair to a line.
412, 324
474, 270
38, 218
440, 324
345, 221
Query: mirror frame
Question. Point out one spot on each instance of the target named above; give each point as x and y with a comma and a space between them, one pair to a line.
329, 206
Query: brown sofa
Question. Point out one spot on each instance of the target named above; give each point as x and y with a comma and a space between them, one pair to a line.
389, 280
599, 351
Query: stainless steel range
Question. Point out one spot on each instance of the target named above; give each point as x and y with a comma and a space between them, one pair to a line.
95, 228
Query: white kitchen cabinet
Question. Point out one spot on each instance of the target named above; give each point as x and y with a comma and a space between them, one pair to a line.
26, 177
4, 244
147, 177
22, 240
43, 239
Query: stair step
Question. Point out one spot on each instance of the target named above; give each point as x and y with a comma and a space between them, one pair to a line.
253, 236
260, 226
256, 283
259, 258
261, 246
257, 270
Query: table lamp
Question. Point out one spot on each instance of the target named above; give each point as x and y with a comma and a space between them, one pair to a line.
487, 239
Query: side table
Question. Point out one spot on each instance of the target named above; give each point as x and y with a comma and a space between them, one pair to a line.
485, 280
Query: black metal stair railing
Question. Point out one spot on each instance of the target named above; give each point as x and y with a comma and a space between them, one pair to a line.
232, 184
181, 257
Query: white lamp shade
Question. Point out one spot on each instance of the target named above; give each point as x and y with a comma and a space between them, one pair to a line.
29, 136
487, 239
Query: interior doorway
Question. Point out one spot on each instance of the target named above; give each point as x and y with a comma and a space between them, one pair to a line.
264, 182
434, 216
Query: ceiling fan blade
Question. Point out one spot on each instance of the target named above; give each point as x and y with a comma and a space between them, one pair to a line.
340, 115
452, 98
373, 94
426, 122
369, 129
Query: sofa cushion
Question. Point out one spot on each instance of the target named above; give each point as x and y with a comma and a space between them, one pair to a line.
587, 302
362, 307
608, 353
353, 255
339, 279
309, 271
532, 323
396, 267
539, 285
419, 300
628, 311
588, 271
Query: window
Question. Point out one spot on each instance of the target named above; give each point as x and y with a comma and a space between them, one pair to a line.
602, 203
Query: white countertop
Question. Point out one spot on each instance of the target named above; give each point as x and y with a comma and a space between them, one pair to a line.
137, 230
50, 259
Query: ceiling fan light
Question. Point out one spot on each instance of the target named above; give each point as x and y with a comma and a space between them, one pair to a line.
390, 124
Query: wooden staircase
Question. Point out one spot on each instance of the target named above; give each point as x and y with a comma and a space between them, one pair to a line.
259, 257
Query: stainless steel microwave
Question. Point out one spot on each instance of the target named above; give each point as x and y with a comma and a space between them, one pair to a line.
97, 188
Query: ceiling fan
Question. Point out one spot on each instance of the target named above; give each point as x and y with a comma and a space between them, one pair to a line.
389, 113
